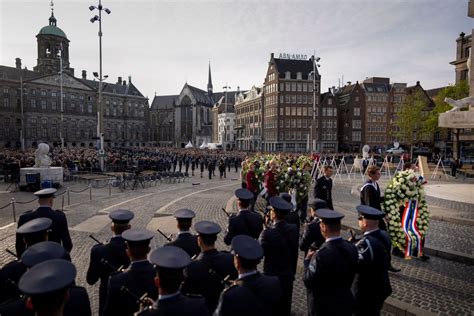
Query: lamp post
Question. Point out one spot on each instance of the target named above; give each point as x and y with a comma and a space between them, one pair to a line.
313, 125
61, 136
100, 112
226, 87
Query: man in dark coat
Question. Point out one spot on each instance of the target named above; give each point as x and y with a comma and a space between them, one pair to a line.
136, 281
107, 259
312, 236
329, 271
323, 187
59, 231
185, 240
253, 293
170, 262
206, 275
280, 248
372, 283
245, 222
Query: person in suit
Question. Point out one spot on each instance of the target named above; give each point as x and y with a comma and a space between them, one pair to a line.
107, 259
253, 293
59, 231
329, 271
312, 236
185, 240
170, 262
32, 232
371, 284
280, 247
252, 185
323, 187
245, 222
47, 285
136, 281
206, 275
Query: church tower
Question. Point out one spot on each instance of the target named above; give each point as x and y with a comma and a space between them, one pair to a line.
209, 82
51, 40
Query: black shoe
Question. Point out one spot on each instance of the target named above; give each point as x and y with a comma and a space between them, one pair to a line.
393, 269
424, 258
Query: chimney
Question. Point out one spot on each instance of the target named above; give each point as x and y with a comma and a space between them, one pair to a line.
417, 83
124, 82
119, 81
271, 56
84, 74
129, 79
18, 63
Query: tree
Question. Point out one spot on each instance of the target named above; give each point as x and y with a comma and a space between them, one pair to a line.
410, 119
456, 92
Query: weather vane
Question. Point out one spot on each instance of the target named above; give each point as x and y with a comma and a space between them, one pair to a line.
52, 6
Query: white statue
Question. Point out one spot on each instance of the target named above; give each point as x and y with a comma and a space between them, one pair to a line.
42, 159
459, 104
365, 151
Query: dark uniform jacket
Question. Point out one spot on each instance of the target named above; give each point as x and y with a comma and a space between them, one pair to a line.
323, 190
10, 274
245, 223
280, 247
187, 242
114, 253
372, 284
255, 294
59, 231
312, 234
78, 304
178, 305
328, 276
294, 218
370, 195
200, 281
139, 279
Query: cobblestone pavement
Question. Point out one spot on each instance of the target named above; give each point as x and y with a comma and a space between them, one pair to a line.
439, 285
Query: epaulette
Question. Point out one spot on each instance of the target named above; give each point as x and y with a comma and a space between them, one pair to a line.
227, 289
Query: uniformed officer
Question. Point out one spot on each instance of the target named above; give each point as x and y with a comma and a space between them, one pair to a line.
312, 236
253, 293
370, 192
280, 248
245, 222
371, 284
207, 273
292, 217
31, 233
329, 271
170, 262
137, 280
59, 230
47, 285
323, 187
185, 240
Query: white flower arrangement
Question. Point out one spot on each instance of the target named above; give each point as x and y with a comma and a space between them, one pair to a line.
403, 187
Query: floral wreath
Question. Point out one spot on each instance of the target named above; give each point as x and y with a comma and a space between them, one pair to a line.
405, 186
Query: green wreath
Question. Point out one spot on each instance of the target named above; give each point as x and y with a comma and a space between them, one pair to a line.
403, 187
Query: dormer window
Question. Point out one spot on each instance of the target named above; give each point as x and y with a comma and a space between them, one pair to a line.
287, 75
299, 75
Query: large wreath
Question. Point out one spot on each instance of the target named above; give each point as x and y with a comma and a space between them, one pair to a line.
404, 187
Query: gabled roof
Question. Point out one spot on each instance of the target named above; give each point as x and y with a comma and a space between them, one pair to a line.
127, 89
163, 102
432, 93
295, 66
12, 73
376, 87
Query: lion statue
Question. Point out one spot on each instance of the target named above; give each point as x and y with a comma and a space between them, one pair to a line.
42, 159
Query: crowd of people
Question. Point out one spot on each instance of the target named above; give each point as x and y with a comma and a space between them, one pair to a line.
189, 275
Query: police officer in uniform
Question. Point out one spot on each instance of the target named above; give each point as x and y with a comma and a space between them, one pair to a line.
292, 217
370, 193
312, 236
137, 280
59, 229
31, 233
47, 285
107, 259
185, 240
280, 248
252, 293
329, 271
78, 303
245, 222
170, 262
371, 284
323, 187
207, 273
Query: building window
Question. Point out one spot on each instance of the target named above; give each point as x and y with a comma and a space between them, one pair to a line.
356, 111
43, 104
357, 99
330, 101
299, 87
356, 124
89, 108
293, 86
54, 105
53, 94
6, 102
43, 93
282, 98
282, 86
287, 76
33, 103
282, 111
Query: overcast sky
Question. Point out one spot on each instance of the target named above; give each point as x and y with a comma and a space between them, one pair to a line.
163, 44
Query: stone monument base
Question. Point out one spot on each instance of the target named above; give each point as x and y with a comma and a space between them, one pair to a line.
52, 174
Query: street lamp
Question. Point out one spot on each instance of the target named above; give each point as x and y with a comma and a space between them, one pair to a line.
100, 112
226, 87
